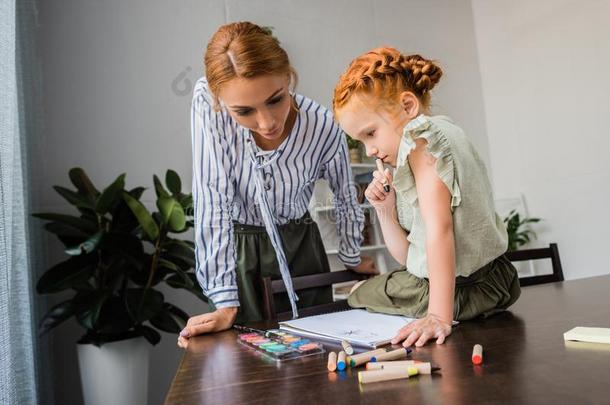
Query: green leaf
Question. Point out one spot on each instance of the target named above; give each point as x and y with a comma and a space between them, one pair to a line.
178, 313
67, 274
176, 281
173, 182
114, 317
187, 204
172, 213
180, 251
165, 321
125, 245
92, 304
73, 198
186, 281
149, 334
137, 192
66, 231
143, 303
83, 184
81, 224
166, 207
110, 196
149, 226
56, 315
177, 220
159, 189
87, 246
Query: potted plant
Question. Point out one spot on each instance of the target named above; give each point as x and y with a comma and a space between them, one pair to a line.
519, 233
118, 253
354, 149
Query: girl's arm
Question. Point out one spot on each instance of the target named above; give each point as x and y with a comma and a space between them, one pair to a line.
435, 204
394, 235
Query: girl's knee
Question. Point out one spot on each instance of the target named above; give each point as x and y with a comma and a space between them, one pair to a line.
358, 284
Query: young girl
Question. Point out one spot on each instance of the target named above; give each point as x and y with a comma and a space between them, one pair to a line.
258, 150
438, 217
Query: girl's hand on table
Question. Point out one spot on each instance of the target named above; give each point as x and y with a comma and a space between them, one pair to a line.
421, 330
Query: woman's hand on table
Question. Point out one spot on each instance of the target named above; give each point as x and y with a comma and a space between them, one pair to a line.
219, 320
366, 266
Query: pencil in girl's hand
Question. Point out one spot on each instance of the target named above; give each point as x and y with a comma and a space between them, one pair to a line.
386, 186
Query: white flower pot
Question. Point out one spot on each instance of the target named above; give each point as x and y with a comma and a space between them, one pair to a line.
115, 373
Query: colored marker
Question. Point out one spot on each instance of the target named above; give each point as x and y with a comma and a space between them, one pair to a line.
422, 367
477, 354
332, 361
347, 347
341, 364
365, 377
365, 357
386, 186
392, 355
258, 331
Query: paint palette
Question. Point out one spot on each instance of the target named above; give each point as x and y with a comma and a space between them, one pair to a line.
279, 345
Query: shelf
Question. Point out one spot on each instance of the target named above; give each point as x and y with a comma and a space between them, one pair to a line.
324, 208
362, 249
363, 165
362, 168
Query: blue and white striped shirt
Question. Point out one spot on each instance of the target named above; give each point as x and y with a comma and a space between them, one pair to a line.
224, 189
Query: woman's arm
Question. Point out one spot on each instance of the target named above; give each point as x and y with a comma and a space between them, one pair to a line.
350, 219
213, 194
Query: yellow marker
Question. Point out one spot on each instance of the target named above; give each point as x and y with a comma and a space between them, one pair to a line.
392, 355
347, 347
332, 361
378, 365
362, 358
422, 368
365, 377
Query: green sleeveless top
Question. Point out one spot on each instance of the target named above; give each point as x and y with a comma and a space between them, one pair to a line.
480, 234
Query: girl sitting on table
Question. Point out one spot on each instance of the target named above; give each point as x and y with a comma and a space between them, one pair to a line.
438, 218
258, 150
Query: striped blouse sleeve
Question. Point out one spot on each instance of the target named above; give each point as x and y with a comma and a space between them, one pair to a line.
350, 218
213, 193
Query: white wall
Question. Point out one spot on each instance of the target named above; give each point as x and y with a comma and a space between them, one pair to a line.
117, 78
544, 68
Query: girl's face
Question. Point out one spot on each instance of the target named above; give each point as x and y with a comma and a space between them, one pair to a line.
379, 129
260, 103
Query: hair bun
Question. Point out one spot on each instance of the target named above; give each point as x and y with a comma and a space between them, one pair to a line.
423, 74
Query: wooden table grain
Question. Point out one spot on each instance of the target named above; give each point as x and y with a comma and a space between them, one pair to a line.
525, 361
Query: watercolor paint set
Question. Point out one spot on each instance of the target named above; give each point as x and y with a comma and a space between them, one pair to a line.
279, 345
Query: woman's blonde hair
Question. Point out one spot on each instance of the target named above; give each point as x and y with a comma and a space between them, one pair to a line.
244, 49
383, 74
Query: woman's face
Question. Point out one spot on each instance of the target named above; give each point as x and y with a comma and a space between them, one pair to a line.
261, 103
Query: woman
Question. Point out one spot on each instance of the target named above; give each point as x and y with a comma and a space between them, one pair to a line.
257, 151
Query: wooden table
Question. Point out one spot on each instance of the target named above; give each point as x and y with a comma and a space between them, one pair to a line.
525, 361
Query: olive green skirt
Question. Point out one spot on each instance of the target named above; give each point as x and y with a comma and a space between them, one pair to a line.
256, 258
487, 291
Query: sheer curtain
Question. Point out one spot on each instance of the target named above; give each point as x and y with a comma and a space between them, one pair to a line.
17, 337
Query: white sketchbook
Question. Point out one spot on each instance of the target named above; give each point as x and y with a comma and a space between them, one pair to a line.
357, 326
